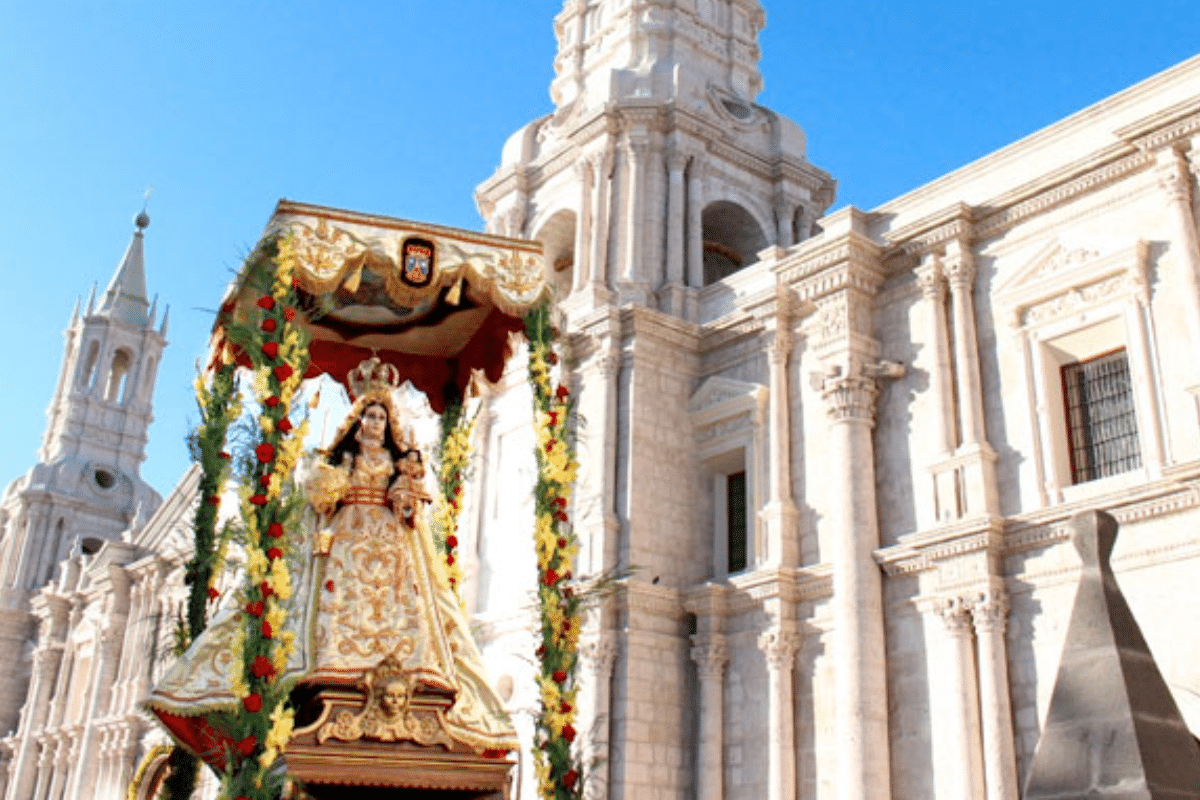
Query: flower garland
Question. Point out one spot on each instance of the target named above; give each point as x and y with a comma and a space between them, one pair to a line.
219, 406
453, 453
278, 351
558, 770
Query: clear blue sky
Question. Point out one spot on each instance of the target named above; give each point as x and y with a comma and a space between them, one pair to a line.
401, 109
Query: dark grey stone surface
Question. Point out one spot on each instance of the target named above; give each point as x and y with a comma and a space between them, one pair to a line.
1113, 730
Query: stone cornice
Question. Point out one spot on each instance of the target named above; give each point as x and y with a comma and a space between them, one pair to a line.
849, 261
643, 597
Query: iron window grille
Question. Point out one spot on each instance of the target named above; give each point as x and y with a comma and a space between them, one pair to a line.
1101, 423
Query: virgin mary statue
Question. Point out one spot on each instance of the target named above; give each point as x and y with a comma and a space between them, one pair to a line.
371, 606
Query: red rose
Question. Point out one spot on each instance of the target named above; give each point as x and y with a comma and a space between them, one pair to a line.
269, 325
246, 746
565, 707
265, 452
559, 676
271, 401
561, 516
224, 455
329, 586
453, 504
283, 372
213, 594
262, 667
550, 578
561, 394
270, 350
550, 446
553, 418
289, 313
285, 425
275, 530
451, 541
264, 480
541, 651
568, 733
553, 357
252, 703
561, 502
267, 633
255, 608
258, 500
274, 553
457, 489
265, 590
449, 561
267, 302
215, 500
562, 543
570, 778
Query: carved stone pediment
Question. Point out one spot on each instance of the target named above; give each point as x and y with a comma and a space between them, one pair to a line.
1060, 281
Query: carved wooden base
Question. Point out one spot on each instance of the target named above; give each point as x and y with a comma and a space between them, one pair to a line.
379, 767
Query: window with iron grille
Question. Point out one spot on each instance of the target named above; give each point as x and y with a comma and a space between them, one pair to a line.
735, 486
1101, 424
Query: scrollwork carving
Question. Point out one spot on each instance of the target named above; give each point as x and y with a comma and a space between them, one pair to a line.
780, 647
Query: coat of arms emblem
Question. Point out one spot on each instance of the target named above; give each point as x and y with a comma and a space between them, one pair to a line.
417, 269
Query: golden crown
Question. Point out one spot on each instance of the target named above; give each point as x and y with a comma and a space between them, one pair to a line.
372, 375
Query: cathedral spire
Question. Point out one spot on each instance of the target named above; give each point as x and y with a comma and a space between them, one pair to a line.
125, 298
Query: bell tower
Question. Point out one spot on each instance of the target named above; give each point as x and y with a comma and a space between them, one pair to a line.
85, 488
657, 174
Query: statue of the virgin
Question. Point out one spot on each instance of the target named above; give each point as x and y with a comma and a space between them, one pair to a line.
371, 607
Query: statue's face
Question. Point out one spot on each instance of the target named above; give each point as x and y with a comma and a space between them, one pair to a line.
392, 699
374, 422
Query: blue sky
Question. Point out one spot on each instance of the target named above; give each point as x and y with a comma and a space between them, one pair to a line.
401, 109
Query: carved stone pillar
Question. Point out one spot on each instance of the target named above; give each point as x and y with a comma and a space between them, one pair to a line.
962, 760
585, 173
601, 208
959, 265
780, 647
860, 659
695, 225
23, 769
472, 553
785, 213
637, 152
780, 513
933, 290
673, 300
1175, 178
597, 657
711, 654
1000, 761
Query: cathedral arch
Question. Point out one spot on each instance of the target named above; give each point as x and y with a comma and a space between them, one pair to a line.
118, 376
87, 376
557, 235
732, 237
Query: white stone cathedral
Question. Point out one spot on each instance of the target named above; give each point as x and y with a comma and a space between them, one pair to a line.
831, 454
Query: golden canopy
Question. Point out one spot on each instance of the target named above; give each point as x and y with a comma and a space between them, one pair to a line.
439, 303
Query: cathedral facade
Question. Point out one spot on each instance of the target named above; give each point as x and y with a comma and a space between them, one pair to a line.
829, 457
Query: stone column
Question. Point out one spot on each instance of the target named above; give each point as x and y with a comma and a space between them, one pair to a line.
473, 554
637, 151
711, 654
672, 299
780, 646
1000, 760
23, 770
860, 658
933, 290
45, 770
1175, 178
785, 212
695, 225
584, 172
780, 513
962, 759
597, 657
959, 265
601, 205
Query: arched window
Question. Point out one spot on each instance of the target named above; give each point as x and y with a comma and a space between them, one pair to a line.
118, 375
557, 236
88, 375
732, 240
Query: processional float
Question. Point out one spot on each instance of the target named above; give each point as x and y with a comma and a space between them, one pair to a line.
347, 665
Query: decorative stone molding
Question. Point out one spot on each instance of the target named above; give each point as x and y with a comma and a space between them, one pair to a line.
711, 654
990, 613
850, 394
956, 614
780, 647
